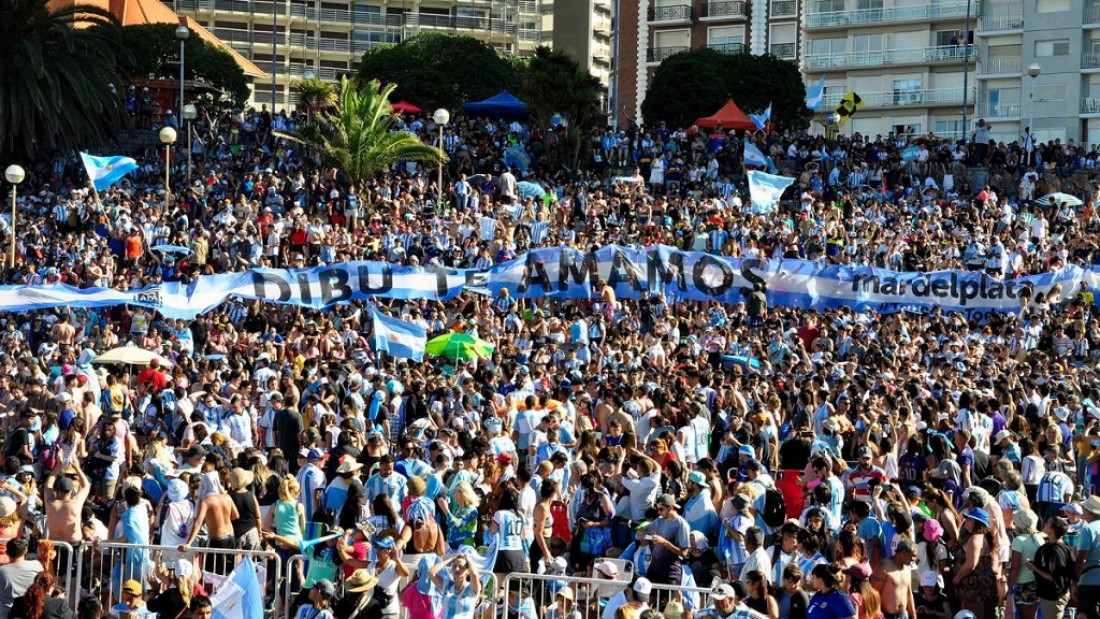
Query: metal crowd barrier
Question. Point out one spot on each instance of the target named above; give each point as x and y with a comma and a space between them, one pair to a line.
102, 568
590, 595
62, 562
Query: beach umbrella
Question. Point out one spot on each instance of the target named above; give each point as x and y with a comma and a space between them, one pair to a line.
405, 107
458, 346
1059, 198
130, 355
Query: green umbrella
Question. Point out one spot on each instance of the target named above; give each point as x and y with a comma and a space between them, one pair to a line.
459, 346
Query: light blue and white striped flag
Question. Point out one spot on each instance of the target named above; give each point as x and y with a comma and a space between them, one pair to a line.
398, 338
488, 227
815, 95
762, 120
910, 154
765, 190
105, 171
538, 232
756, 157
240, 596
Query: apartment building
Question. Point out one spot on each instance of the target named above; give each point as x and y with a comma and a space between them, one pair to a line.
651, 30
290, 39
582, 29
907, 60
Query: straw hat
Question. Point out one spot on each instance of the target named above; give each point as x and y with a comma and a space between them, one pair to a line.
241, 478
359, 581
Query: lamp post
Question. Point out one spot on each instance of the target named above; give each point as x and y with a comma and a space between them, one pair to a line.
1033, 71
190, 113
182, 33
966, 68
441, 117
167, 137
14, 175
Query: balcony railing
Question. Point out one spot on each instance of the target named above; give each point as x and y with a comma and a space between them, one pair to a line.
1000, 109
1090, 105
675, 12
1090, 60
784, 8
312, 14
657, 54
875, 16
992, 23
526, 6
892, 98
365, 18
938, 53
728, 48
1092, 13
235, 35
734, 8
783, 50
1000, 64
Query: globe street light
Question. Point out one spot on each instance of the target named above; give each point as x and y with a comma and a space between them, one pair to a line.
441, 117
14, 175
167, 137
1033, 71
182, 33
190, 113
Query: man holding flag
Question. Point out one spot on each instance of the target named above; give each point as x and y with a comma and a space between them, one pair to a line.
106, 171
398, 338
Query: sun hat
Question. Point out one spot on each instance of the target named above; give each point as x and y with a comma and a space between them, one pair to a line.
978, 514
1026, 521
241, 478
933, 530
360, 580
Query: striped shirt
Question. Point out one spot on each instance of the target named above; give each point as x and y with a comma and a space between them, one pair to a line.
392, 486
311, 478
806, 564
1053, 488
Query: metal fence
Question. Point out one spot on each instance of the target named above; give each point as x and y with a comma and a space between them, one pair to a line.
591, 595
62, 561
102, 568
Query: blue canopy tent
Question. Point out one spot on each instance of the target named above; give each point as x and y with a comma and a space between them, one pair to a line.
503, 105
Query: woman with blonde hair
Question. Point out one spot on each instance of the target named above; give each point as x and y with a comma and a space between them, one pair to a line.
284, 525
462, 522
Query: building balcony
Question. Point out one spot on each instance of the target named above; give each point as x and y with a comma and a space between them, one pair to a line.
919, 55
332, 16
529, 7
897, 98
1001, 23
321, 45
657, 54
668, 15
1001, 65
1090, 106
235, 35
1090, 60
732, 49
1000, 110
784, 8
732, 9
871, 17
783, 50
1092, 13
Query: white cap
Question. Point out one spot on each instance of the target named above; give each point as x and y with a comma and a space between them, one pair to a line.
642, 586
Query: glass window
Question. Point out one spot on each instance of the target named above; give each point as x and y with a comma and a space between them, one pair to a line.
1052, 47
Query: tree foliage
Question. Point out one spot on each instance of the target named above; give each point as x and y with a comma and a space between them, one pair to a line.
434, 70
555, 83
358, 137
698, 82
59, 88
316, 95
155, 53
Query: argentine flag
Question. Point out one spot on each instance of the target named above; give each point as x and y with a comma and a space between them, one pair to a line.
106, 171
815, 95
240, 596
762, 120
397, 338
765, 190
756, 158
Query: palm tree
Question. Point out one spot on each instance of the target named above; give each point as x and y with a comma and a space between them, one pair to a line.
316, 95
359, 136
61, 89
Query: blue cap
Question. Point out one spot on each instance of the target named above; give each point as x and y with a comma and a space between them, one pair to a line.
384, 542
314, 454
979, 515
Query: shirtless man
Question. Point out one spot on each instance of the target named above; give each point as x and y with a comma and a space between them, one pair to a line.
65, 504
63, 332
894, 581
217, 511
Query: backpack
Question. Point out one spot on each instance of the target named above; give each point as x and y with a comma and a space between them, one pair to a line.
775, 508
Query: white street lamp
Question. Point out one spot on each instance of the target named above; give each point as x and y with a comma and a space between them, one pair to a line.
1034, 71
441, 117
182, 33
168, 138
190, 113
14, 174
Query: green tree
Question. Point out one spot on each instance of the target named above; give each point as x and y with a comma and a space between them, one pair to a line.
316, 95
434, 70
696, 83
59, 88
555, 83
357, 137
155, 53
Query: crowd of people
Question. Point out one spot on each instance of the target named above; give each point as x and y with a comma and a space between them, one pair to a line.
860, 466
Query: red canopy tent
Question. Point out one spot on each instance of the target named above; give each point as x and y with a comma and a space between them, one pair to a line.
730, 116
404, 107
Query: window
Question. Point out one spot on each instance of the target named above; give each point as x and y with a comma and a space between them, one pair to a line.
868, 43
1050, 92
1052, 47
828, 47
950, 37
725, 35
1051, 6
948, 128
907, 90
828, 6
905, 130
863, 5
784, 33
672, 38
